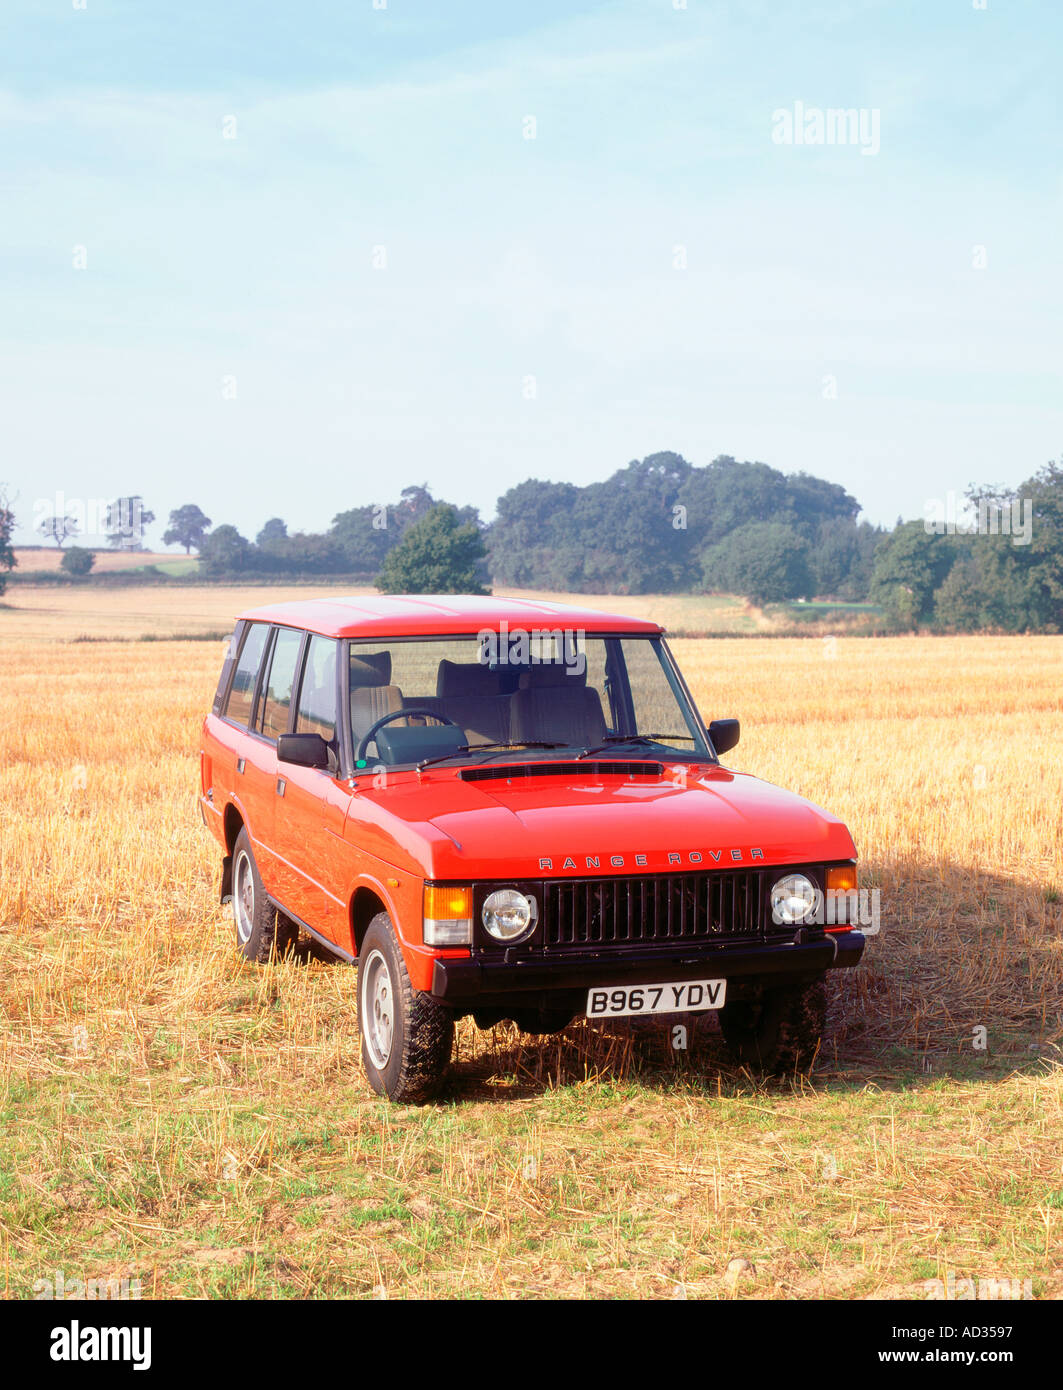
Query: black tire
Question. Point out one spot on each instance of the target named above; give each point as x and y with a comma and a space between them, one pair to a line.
260, 929
779, 1033
406, 1036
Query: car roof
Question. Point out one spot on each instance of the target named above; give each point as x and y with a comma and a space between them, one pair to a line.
411, 615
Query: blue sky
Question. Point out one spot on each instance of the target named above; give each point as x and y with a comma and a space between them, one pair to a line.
530, 319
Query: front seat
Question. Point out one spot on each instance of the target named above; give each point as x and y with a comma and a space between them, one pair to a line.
552, 702
470, 694
372, 694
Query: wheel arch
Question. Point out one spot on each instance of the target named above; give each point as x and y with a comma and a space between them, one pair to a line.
232, 824
365, 904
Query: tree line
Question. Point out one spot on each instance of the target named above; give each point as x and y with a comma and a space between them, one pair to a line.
664, 525
658, 525
998, 566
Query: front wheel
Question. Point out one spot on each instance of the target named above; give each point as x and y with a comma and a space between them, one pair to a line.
406, 1035
778, 1033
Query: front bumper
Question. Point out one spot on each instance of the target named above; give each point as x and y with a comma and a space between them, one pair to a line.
535, 981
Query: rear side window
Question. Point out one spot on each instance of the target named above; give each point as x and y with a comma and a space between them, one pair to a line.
232, 651
243, 689
317, 696
276, 698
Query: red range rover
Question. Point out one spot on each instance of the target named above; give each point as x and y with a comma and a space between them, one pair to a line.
513, 810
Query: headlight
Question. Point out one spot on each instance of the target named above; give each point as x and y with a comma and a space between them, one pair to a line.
508, 915
793, 899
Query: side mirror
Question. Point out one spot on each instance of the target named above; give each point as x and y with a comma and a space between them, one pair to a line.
724, 734
305, 750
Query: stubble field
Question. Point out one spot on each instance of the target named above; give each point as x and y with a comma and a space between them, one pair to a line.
171, 1114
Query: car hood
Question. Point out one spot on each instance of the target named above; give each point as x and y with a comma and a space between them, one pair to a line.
580, 823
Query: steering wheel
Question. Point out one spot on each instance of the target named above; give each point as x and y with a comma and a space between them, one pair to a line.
370, 734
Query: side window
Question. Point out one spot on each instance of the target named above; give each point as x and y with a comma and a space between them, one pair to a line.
317, 695
275, 701
232, 651
243, 688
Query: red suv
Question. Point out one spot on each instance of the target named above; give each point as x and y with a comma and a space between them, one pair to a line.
513, 810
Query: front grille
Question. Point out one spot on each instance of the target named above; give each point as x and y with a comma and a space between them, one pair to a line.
666, 908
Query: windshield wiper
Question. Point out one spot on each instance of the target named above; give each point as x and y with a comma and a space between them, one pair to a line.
610, 741
520, 743
486, 748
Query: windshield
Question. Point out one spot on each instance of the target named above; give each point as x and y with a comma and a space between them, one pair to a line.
499, 694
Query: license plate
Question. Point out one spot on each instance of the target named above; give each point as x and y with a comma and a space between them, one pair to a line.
683, 997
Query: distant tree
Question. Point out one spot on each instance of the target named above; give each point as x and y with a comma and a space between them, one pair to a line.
634, 538
532, 540
728, 495
127, 520
224, 551
1022, 567
187, 527
857, 584
623, 535
439, 554
910, 565
77, 560
59, 528
961, 600
814, 500
365, 535
414, 503
648, 527
303, 553
7, 528
274, 530
765, 561
841, 557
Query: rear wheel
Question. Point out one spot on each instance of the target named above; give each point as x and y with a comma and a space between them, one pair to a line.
406, 1035
260, 928
778, 1033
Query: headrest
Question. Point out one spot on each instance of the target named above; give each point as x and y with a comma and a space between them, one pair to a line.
466, 678
552, 673
371, 669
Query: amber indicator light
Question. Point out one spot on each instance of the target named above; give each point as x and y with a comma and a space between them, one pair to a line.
447, 904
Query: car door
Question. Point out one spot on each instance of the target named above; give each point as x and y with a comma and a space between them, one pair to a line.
265, 784
312, 805
235, 773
